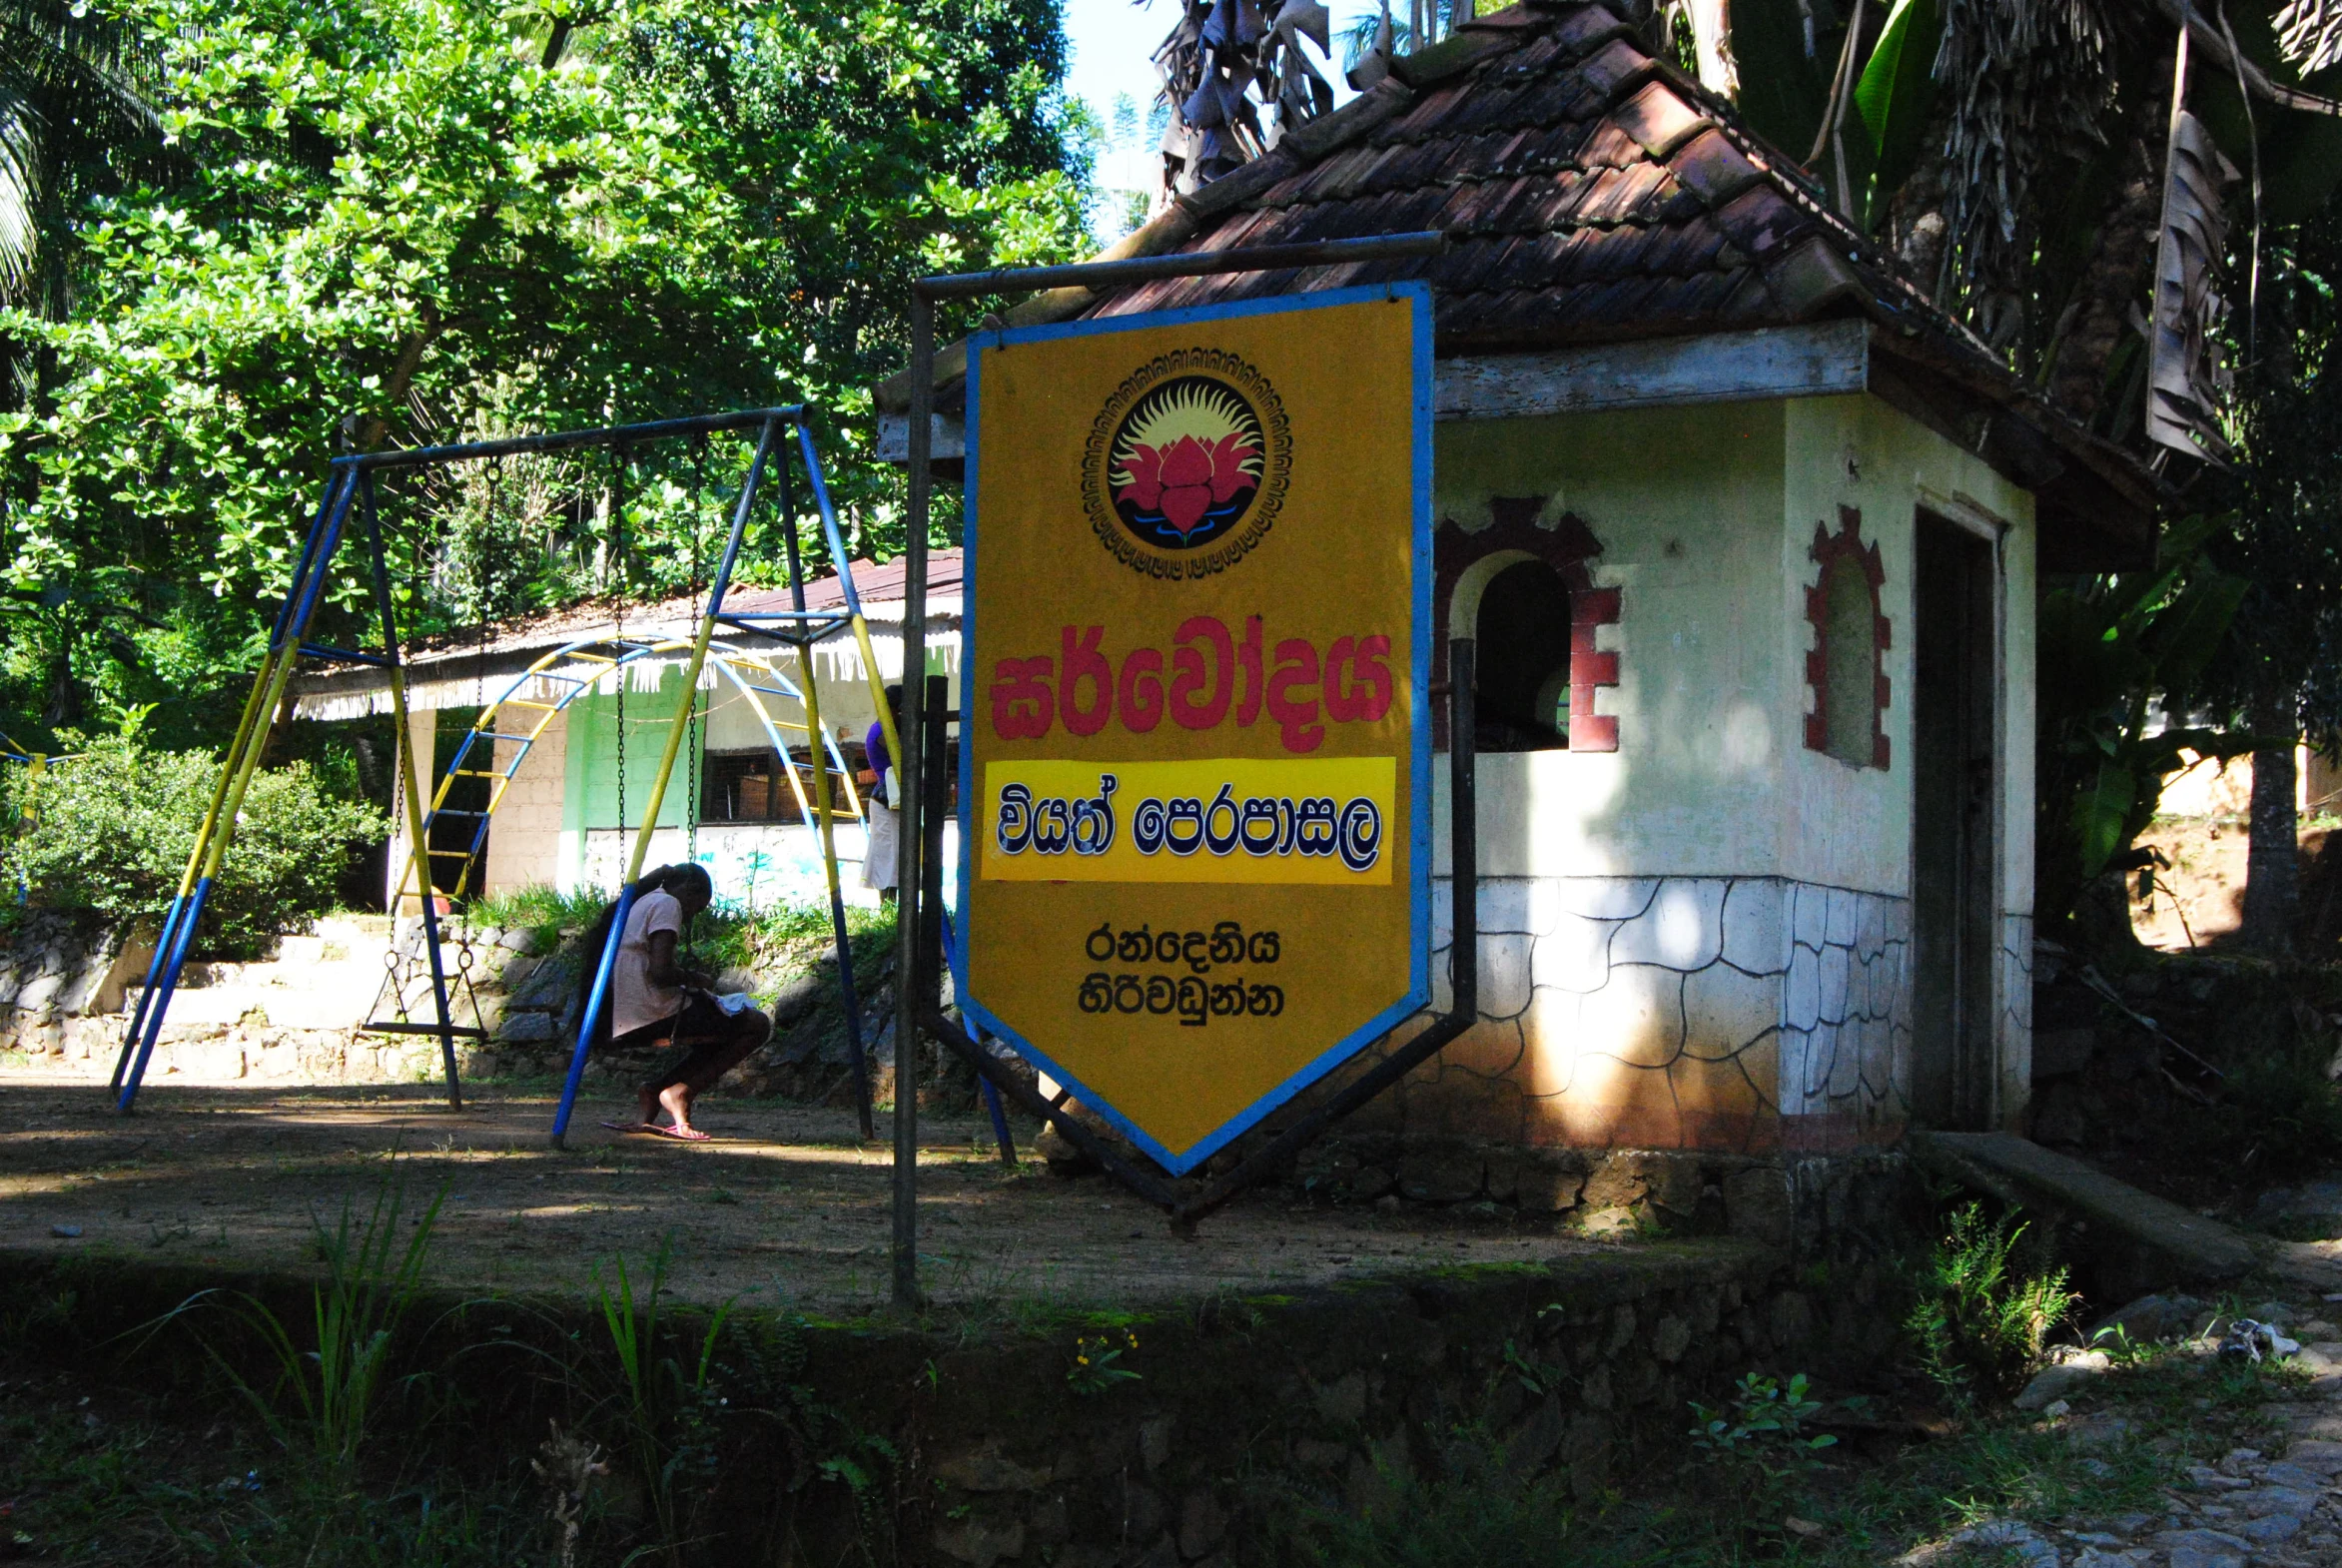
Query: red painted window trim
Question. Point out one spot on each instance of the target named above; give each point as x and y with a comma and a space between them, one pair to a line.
1567, 548
1835, 552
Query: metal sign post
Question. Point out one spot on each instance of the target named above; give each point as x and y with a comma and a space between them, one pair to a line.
916, 1007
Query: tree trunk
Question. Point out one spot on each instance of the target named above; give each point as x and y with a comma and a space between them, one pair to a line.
2114, 282
2272, 875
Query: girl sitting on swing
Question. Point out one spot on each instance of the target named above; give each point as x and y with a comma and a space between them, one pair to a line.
654, 1001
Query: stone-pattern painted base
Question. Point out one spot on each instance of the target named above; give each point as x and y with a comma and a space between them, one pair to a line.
1724, 1013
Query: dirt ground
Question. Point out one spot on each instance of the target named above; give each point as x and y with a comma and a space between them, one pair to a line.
788, 1210
2198, 898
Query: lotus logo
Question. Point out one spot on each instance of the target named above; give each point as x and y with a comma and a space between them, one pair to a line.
1186, 465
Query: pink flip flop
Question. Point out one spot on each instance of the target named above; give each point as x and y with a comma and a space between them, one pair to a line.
628, 1126
694, 1136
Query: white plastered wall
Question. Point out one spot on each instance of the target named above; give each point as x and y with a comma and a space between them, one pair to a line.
1851, 827
524, 835
422, 741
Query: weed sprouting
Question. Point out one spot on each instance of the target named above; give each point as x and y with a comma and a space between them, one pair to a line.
662, 1408
1094, 1369
1980, 1320
323, 1399
671, 1399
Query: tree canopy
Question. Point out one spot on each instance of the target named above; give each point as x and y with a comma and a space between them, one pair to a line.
434, 220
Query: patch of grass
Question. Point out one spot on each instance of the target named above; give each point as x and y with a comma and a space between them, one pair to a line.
537, 908
113, 1480
1870, 1503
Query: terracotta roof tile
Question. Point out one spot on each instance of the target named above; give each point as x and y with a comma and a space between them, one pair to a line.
1587, 26
1760, 220
1713, 169
1593, 194
1612, 66
1659, 120
1608, 147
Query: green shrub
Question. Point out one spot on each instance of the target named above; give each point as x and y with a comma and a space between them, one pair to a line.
111, 829
1980, 1319
2278, 1117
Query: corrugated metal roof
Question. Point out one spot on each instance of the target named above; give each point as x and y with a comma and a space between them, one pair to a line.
447, 673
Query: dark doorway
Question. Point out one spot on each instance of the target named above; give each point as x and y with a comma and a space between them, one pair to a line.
1955, 794
1523, 628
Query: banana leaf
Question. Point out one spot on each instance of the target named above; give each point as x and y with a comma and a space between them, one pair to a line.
2101, 813
1897, 92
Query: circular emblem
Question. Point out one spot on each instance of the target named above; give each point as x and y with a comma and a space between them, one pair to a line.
1186, 465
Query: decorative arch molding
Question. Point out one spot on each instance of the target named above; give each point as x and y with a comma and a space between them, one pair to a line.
1849, 566
1465, 562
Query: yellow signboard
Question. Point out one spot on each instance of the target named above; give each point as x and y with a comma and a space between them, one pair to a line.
1196, 762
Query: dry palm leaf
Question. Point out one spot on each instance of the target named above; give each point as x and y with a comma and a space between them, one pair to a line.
2185, 377
2029, 81
2309, 34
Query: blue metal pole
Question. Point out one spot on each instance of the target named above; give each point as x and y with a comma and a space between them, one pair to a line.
591, 1017
829, 519
303, 602
853, 999
146, 995
165, 984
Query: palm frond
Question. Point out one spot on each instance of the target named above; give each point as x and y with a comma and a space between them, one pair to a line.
20, 190
2309, 34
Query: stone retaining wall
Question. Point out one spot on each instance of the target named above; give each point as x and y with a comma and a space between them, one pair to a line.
1578, 1367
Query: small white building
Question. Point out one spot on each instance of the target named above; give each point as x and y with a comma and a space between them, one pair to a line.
1749, 537
559, 798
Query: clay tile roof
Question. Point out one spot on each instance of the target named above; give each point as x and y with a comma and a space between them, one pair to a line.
1591, 192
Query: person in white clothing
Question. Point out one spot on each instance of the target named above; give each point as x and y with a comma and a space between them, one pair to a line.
655, 1001
881, 867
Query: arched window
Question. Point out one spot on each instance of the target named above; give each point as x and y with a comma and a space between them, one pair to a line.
1523, 632
1521, 588
1850, 638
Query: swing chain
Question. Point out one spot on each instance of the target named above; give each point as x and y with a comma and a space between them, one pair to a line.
693, 738
618, 575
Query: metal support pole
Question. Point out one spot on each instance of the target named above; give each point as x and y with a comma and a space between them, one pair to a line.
992, 1094
907, 1296
935, 794
237, 769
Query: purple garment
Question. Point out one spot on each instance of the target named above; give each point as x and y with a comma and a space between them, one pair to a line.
874, 745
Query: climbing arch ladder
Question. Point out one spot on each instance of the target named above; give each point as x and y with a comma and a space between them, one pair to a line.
515, 720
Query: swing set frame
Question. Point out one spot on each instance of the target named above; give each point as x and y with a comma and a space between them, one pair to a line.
351, 491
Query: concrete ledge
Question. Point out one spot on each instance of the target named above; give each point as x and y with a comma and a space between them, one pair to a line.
2154, 1243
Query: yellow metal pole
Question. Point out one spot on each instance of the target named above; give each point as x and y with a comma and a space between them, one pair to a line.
878, 688
667, 755
821, 770
419, 851
225, 809
228, 763
707, 630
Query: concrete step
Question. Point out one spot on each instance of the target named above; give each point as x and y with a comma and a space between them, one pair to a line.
2135, 1243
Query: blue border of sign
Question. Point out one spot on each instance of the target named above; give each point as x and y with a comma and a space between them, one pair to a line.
1418, 296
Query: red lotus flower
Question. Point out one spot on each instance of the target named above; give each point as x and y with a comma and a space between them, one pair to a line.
1189, 477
